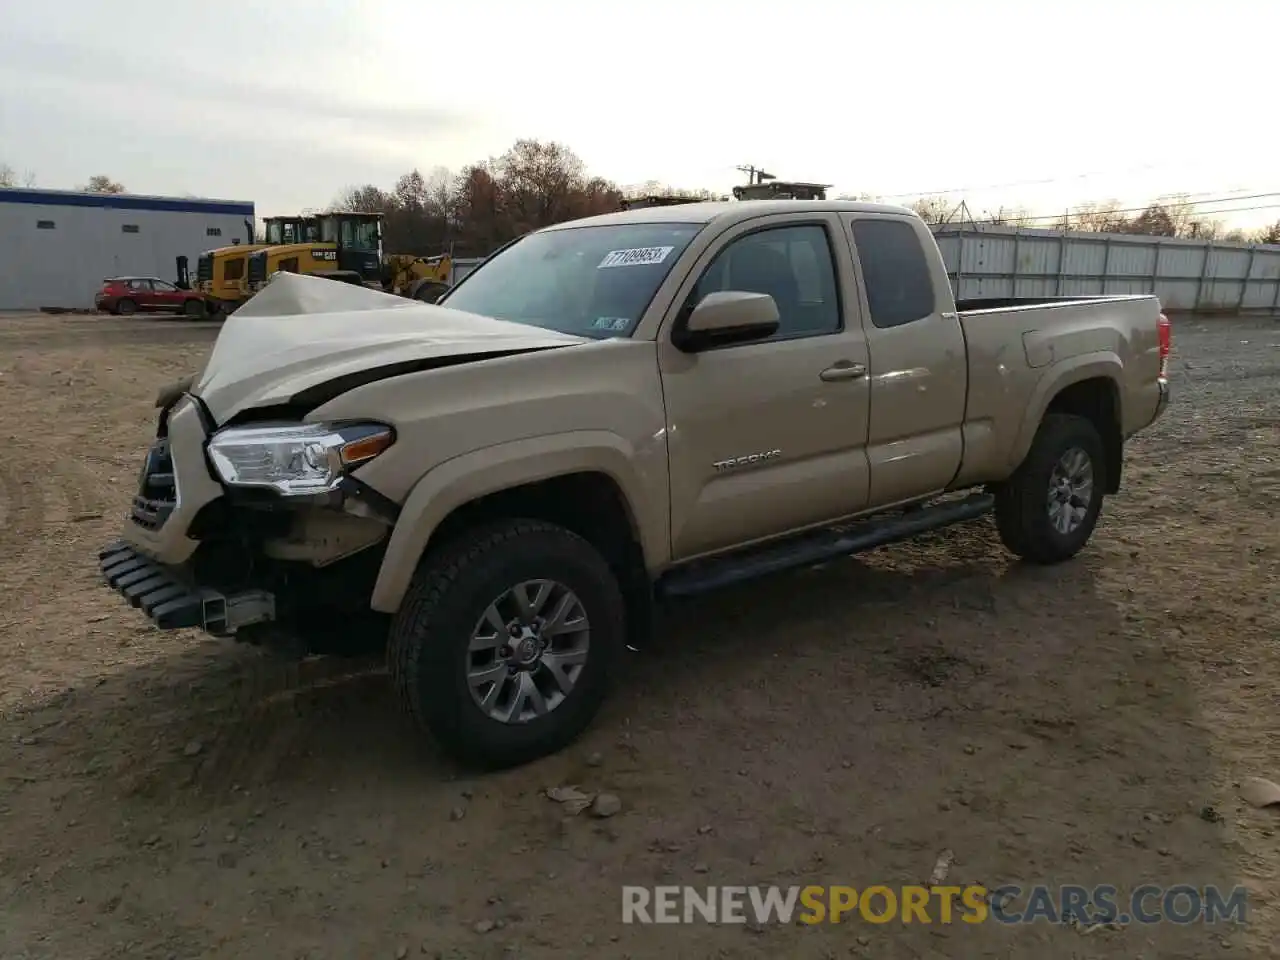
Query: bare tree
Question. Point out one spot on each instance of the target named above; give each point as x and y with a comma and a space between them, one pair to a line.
1104, 217
1269, 234
933, 209
656, 188
10, 177
101, 183
1007, 217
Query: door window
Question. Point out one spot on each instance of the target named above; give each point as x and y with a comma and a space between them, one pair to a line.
894, 271
160, 286
140, 285
792, 264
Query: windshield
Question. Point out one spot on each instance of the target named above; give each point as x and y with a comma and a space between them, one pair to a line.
360, 235
287, 231
588, 281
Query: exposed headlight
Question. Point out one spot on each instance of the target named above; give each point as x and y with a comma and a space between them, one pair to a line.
297, 459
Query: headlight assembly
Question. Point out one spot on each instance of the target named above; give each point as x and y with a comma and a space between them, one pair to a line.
298, 459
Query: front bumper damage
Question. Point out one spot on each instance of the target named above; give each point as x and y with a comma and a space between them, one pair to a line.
172, 602
151, 566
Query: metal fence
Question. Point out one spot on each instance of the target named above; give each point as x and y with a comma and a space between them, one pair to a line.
462, 266
1190, 275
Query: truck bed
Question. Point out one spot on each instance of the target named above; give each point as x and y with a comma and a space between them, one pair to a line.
1017, 347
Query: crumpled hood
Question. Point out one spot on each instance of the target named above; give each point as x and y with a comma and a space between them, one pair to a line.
300, 332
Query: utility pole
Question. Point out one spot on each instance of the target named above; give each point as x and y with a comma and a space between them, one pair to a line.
755, 174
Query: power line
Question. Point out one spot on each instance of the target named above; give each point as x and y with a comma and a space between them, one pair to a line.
1022, 183
1166, 206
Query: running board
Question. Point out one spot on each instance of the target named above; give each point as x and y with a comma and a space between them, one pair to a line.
827, 544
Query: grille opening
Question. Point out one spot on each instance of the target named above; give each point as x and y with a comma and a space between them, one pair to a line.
157, 489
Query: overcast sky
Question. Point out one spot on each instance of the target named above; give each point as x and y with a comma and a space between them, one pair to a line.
286, 103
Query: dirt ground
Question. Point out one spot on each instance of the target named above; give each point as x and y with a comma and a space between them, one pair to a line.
164, 795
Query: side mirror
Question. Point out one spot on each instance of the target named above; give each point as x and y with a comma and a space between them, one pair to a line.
728, 316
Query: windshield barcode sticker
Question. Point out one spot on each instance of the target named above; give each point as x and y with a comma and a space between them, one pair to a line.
635, 257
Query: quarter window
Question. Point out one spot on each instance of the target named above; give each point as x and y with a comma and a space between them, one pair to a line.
793, 265
894, 271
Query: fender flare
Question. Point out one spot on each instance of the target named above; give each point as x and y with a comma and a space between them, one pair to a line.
1053, 381
488, 470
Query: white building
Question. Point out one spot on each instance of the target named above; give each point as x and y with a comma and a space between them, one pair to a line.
57, 246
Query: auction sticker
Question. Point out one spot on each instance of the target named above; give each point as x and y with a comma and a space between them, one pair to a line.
635, 257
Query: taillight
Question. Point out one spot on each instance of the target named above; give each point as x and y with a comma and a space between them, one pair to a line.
1163, 327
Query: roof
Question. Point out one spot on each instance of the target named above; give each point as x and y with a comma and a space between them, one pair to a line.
126, 201
729, 211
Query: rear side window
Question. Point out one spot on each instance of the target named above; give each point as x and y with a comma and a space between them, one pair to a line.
895, 271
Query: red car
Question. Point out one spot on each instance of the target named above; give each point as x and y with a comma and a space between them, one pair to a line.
124, 296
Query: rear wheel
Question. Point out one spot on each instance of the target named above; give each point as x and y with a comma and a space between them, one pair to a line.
193, 308
505, 643
1047, 510
126, 307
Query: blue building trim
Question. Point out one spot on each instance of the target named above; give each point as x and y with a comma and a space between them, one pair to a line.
121, 201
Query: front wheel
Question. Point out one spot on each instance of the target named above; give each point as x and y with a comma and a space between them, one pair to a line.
1047, 510
505, 643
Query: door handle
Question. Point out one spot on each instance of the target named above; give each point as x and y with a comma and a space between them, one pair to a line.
844, 370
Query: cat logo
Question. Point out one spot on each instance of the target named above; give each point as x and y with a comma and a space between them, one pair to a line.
324, 255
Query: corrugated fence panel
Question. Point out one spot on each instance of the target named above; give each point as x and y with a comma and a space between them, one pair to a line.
1185, 274
1264, 289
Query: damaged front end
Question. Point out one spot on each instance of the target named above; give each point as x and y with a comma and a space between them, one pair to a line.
251, 519
257, 530
261, 532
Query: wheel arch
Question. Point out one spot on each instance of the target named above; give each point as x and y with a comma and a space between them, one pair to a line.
583, 481
1086, 386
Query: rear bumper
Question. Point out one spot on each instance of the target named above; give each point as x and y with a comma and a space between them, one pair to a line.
172, 602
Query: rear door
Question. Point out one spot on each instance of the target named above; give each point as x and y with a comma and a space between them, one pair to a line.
919, 367
140, 292
768, 437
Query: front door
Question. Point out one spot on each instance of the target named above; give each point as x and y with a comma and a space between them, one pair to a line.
166, 296
769, 437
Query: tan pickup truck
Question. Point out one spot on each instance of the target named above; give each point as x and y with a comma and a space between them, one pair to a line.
498, 488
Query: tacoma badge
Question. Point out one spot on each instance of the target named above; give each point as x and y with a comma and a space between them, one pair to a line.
750, 460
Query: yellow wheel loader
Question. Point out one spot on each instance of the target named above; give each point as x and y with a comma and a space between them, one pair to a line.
222, 273
418, 278
348, 247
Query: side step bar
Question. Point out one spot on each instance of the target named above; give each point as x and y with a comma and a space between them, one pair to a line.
828, 544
